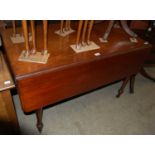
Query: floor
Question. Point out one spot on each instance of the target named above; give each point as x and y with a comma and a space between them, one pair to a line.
99, 112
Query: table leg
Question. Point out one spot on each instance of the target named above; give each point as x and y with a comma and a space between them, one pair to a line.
132, 81
121, 90
39, 115
146, 75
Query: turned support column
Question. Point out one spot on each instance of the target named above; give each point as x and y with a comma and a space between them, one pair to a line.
79, 34
89, 31
127, 29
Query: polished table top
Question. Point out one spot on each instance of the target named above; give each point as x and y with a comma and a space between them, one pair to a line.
61, 54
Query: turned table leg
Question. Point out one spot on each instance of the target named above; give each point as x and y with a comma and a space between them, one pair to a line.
79, 33
132, 81
33, 36
39, 115
45, 25
146, 75
89, 31
121, 90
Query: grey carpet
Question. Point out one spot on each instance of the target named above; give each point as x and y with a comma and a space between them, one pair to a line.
99, 112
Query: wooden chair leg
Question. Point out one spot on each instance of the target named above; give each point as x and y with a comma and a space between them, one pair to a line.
69, 25
84, 33
39, 115
14, 27
89, 31
26, 37
121, 90
146, 75
108, 30
127, 29
79, 33
61, 26
132, 81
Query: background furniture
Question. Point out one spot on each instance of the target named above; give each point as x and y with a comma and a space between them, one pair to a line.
146, 30
8, 119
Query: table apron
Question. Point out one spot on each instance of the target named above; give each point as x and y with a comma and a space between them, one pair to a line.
50, 87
